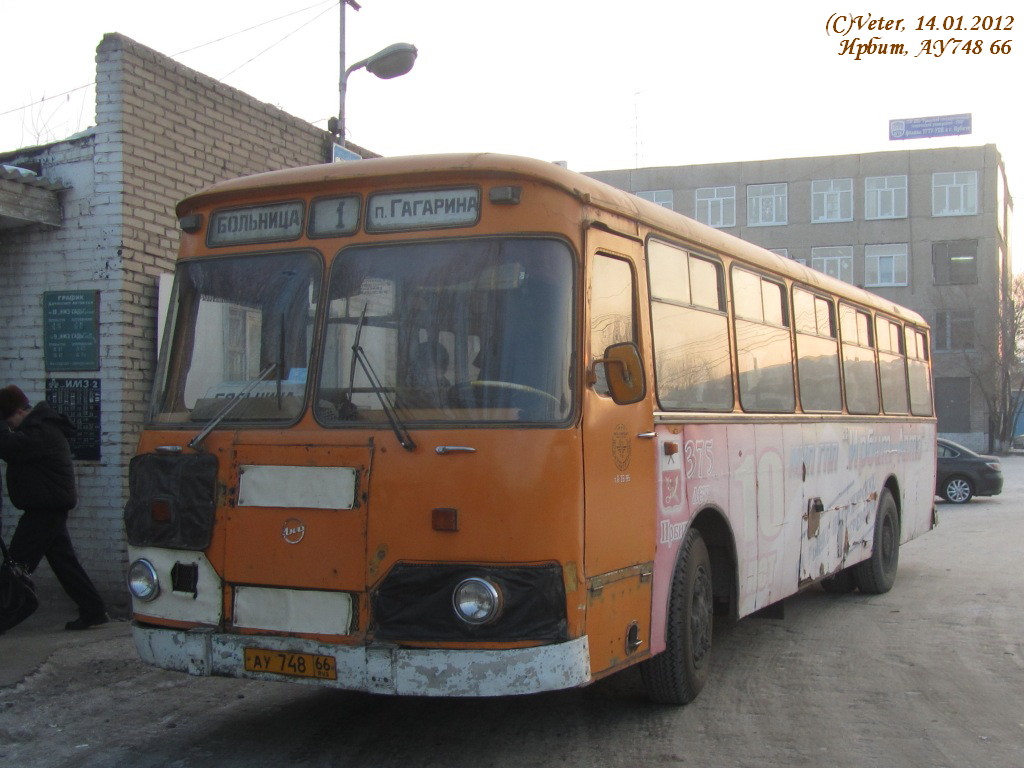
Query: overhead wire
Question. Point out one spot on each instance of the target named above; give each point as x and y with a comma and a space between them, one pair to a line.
195, 48
301, 26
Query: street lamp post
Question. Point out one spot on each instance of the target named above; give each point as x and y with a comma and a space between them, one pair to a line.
393, 61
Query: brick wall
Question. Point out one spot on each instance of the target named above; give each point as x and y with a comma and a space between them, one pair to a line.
163, 132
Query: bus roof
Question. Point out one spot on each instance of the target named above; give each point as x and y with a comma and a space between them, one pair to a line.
672, 225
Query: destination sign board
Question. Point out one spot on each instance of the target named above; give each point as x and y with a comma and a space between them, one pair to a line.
334, 216
423, 209
257, 224
929, 127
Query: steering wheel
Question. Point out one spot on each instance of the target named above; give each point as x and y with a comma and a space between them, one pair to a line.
510, 386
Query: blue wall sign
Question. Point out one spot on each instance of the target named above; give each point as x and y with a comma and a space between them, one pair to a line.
929, 127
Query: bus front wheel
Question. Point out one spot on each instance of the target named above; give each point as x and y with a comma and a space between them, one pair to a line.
676, 675
876, 575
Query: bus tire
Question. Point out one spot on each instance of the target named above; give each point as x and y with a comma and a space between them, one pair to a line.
676, 675
876, 575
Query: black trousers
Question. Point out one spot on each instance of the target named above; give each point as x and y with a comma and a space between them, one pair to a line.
44, 533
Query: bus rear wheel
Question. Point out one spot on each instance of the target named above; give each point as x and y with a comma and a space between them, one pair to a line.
877, 574
677, 674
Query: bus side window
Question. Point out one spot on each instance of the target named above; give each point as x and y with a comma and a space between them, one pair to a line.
763, 348
917, 372
612, 314
692, 361
891, 366
817, 352
860, 375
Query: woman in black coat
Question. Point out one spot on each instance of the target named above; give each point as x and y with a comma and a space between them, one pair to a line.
41, 482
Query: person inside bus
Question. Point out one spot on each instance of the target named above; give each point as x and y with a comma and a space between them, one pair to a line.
427, 384
41, 482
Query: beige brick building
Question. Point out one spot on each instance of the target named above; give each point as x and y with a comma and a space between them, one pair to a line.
927, 228
97, 224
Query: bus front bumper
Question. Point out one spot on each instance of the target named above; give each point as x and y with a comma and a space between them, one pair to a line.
382, 669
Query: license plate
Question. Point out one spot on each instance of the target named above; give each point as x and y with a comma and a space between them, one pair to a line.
291, 664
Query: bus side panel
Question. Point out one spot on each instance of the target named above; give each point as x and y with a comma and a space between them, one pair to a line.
799, 498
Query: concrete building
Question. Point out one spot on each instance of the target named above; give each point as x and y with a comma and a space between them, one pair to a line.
87, 228
927, 228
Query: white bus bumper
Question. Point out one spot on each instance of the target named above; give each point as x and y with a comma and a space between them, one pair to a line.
383, 669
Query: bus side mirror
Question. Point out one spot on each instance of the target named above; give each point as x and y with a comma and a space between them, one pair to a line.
624, 373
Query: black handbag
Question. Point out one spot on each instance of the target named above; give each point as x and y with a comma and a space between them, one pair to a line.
18, 598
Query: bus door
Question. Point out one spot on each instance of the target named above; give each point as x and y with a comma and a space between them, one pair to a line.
299, 522
618, 450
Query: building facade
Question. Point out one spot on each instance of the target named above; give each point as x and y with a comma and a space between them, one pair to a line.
926, 228
87, 229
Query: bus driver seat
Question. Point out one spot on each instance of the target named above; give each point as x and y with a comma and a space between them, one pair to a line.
426, 385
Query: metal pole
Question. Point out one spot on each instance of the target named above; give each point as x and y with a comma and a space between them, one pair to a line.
342, 78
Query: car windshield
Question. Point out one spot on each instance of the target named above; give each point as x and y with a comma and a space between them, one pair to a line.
474, 330
240, 330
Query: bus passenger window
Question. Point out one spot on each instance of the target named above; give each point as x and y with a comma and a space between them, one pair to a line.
892, 366
917, 373
860, 373
817, 352
762, 344
692, 362
612, 314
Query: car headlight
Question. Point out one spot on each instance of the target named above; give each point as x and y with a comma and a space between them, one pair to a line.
476, 601
142, 580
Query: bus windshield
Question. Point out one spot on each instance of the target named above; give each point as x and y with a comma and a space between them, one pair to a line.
473, 330
241, 331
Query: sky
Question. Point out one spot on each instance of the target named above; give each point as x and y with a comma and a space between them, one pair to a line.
600, 84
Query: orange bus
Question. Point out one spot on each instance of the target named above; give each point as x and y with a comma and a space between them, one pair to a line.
476, 425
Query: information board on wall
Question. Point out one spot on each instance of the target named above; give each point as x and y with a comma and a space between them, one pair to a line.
79, 400
71, 330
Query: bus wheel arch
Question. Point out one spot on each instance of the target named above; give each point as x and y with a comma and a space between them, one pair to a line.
721, 545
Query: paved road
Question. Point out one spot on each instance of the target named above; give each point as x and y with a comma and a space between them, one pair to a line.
930, 675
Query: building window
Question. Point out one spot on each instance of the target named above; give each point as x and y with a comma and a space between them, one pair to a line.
834, 260
955, 262
767, 205
831, 200
955, 193
662, 197
954, 329
885, 265
716, 206
885, 197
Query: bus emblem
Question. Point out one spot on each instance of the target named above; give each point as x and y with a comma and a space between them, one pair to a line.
621, 448
293, 531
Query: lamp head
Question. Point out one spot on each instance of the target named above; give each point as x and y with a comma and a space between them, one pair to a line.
393, 61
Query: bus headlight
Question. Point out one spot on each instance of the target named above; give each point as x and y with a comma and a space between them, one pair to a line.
476, 601
142, 580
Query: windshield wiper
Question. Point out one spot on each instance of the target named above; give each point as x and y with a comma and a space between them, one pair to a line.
358, 353
404, 438
197, 441
355, 354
